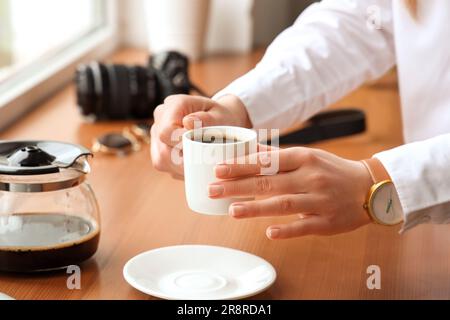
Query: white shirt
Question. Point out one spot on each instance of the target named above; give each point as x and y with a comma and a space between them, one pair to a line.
335, 46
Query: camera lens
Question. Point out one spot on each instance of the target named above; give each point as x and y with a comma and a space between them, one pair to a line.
112, 91
106, 91
143, 91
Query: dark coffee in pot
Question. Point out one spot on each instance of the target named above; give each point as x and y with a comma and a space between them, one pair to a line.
35, 242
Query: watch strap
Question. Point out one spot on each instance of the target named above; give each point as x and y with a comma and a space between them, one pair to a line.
376, 170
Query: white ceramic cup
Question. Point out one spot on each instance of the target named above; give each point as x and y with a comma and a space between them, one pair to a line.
200, 158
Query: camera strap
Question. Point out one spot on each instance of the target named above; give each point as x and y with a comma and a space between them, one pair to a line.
327, 125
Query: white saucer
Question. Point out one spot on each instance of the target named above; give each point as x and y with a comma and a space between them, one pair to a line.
199, 272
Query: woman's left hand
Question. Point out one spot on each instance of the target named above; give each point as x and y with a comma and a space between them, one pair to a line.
326, 192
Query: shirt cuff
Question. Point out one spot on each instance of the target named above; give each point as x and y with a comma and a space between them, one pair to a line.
268, 94
420, 174
255, 93
390, 161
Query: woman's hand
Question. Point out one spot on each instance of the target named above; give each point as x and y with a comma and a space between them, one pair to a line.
179, 113
324, 191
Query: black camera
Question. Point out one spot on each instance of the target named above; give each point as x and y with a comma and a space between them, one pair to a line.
112, 91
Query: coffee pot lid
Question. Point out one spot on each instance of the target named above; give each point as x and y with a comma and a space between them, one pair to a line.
40, 157
38, 166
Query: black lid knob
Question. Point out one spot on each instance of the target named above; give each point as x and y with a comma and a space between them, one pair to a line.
30, 156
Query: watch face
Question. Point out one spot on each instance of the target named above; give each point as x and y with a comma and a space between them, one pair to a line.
385, 205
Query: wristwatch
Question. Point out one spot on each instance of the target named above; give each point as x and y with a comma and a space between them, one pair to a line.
382, 203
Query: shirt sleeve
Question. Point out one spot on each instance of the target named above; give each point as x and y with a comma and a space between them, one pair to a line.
420, 172
331, 49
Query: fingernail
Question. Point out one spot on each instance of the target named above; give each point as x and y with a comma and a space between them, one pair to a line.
222, 170
237, 210
215, 190
273, 233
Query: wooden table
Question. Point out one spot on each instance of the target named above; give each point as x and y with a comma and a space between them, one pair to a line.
143, 209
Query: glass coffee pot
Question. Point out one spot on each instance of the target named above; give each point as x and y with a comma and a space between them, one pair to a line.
49, 216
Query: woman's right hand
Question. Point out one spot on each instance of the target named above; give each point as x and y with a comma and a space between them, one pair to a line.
178, 114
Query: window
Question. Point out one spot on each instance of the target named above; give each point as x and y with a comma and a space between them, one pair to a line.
41, 39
